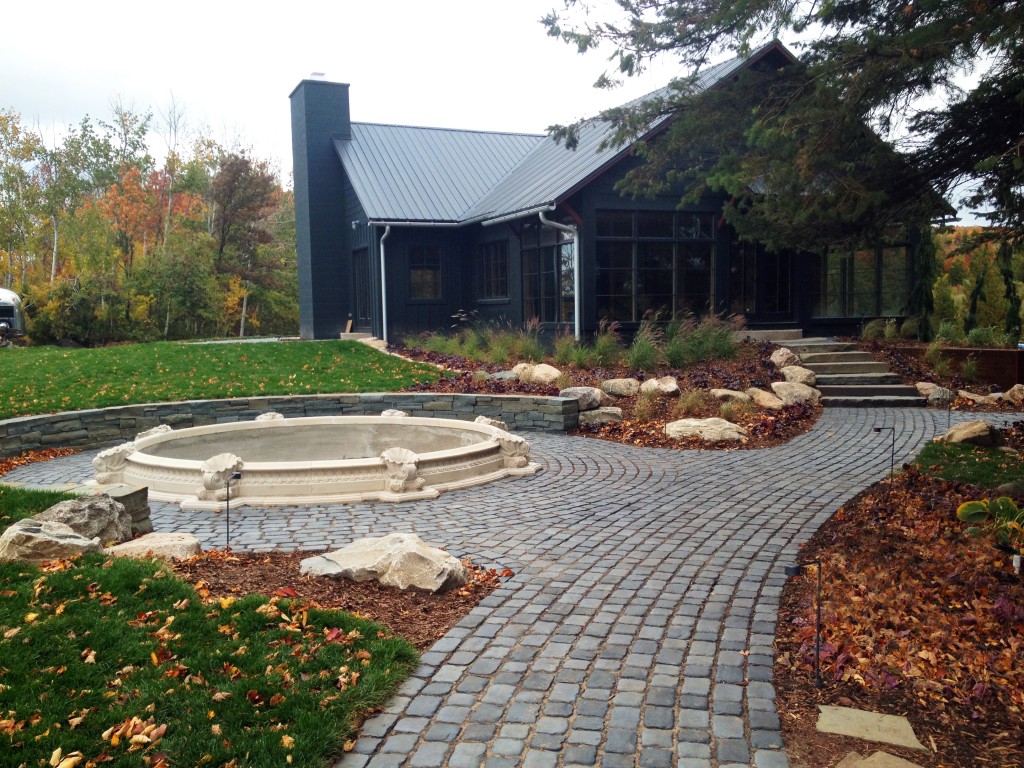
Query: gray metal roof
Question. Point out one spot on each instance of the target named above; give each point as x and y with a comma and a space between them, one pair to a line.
435, 175
401, 173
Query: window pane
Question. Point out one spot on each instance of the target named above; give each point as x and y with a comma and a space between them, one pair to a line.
494, 270
696, 226
695, 277
654, 224
425, 273
654, 279
895, 281
864, 284
614, 224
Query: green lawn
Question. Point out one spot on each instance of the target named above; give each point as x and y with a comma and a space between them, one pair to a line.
48, 379
105, 646
18, 503
987, 467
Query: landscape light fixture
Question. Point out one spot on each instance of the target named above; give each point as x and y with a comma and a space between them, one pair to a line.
892, 455
794, 570
227, 508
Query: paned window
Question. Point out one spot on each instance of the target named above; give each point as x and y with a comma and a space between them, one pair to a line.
654, 262
872, 282
494, 270
548, 277
425, 273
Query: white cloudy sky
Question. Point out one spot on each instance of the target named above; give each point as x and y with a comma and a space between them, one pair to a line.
483, 64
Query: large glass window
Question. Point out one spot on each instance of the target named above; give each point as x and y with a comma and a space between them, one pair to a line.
425, 273
548, 276
494, 270
871, 282
654, 262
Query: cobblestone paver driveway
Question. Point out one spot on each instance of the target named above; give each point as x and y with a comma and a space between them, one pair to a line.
638, 628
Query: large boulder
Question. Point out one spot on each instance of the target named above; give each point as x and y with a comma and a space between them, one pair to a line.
925, 388
730, 396
666, 386
765, 400
603, 415
621, 387
589, 398
783, 357
1015, 395
165, 546
713, 430
400, 560
92, 517
37, 540
799, 374
542, 373
977, 432
791, 392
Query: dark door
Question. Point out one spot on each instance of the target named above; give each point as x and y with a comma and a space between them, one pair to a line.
761, 284
363, 275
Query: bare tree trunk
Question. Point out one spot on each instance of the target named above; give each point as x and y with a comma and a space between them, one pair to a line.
167, 320
245, 309
53, 261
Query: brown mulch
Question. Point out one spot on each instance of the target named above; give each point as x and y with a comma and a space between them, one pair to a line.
419, 616
643, 422
918, 619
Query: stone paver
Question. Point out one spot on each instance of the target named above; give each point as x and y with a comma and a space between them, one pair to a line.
638, 628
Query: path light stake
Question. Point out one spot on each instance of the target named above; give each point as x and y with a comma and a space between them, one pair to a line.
794, 570
227, 508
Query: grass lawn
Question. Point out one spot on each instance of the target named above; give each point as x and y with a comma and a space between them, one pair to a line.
19, 503
48, 379
117, 659
987, 467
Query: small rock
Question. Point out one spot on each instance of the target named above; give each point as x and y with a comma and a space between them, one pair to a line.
165, 546
925, 388
589, 398
503, 376
603, 415
400, 560
36, 540
1012, 488
666, 386
791, 392
799, 375
621, 387
993, 399
92, 517
732, 396
712, 430
783, 356
977, 432
765, 400
940, 396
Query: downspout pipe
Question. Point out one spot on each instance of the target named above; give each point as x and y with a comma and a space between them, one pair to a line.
574, 232
384, 286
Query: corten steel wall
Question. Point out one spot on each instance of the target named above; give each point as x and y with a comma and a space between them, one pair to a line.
106, 426
1003, 367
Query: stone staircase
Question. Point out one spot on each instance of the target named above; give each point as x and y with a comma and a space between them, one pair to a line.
850, 378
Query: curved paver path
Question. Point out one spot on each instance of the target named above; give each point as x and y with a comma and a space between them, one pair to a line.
638, 628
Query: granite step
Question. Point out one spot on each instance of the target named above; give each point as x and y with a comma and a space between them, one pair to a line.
855, 379
812, 358
867, 390
855, 367
876, 401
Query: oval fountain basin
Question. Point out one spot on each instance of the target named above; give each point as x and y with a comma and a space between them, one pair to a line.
316, 460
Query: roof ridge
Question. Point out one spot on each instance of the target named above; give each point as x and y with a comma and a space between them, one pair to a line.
450, 130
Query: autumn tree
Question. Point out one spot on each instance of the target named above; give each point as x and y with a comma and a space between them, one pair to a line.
871, 116
18, 189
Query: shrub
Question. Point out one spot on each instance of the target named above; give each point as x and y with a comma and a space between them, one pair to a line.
949, 332
988, 336
711, 339
1002, 519
584, 357
644, 353
911, 328
564, 380
645, 406
690, 403
969, 368
875, 329
730, 410
565, 347
892, 330
607, 349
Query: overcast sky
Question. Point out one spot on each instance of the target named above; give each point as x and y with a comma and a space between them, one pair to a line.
479, 64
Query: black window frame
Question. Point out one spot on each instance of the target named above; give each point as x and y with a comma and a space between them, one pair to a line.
425, 260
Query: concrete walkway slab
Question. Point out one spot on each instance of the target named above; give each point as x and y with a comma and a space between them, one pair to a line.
639, 627
870, 726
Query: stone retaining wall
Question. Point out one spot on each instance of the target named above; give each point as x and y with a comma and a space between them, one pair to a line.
104, 426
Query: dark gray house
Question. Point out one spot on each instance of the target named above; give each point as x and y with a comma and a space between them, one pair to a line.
400, 227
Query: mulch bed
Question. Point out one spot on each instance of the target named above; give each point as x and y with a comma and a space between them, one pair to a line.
919, 619
750, 368
419, 616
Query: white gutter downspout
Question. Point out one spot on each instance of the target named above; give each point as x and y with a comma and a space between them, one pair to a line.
383, 286
577, 309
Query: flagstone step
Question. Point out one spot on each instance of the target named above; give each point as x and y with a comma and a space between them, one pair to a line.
818, 344
815, 358
875, 401
855, 379
870, 389
855, 367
